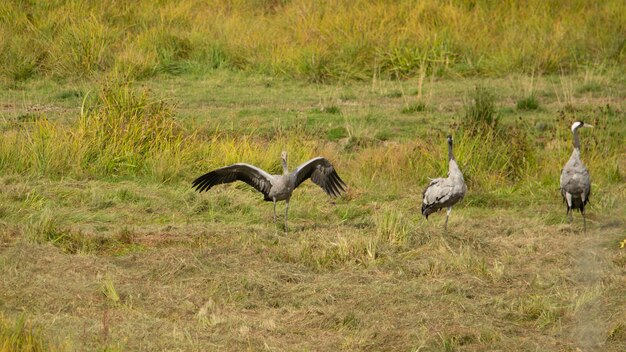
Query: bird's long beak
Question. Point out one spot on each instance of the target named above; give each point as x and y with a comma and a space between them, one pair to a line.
586, 125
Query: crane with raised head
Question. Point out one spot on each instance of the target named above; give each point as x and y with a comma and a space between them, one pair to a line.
575, 179
444, 192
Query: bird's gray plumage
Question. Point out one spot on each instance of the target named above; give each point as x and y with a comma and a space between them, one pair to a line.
322, 173
575, 179
276, 187
250, 174
444, 192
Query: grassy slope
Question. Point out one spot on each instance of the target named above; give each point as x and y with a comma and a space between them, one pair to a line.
134, 264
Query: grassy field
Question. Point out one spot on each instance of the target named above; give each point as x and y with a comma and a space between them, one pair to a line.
109, 109
317, 41
104, 246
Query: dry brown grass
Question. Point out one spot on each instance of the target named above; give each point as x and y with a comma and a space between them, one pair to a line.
499, 280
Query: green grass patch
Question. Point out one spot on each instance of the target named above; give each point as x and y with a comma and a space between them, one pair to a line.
590, 87
528, 103
332, 109
22, 336
336, 133
394, 94
480, 111
413, 108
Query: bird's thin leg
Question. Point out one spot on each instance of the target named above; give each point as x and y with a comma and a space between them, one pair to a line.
286, 213
274, 210
570, 217
445, 226
445, 229
570, 210
582, 212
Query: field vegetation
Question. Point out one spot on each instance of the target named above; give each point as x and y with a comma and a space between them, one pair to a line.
311, 40
106, 118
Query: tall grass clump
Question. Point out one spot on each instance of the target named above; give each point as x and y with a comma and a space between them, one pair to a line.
392, 227
21, 336
124, 129
480, 113
492, 153
120, 131
528, 103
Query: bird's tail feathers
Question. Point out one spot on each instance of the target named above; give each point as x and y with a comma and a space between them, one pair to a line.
427, 210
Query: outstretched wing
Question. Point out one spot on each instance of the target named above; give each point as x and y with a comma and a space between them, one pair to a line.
247, 173
322, 173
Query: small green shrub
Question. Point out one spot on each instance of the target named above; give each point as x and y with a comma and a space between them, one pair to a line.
413, 108
70, 94
384, 135
527, 104
336, 133
332, 109
394, 94
480, 112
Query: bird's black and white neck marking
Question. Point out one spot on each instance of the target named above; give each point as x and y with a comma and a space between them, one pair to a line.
575, 126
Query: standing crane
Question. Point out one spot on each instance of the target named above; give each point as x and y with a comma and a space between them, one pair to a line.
444, 192
276, 187
575, 180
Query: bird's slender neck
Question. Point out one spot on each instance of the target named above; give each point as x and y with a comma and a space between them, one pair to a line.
450, 154
285, 170
576, 140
